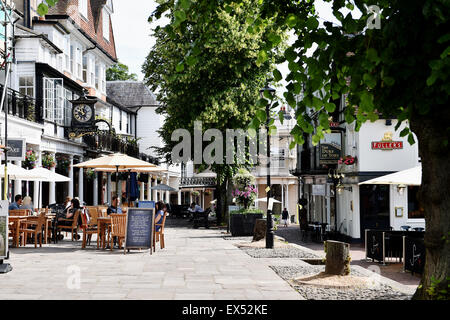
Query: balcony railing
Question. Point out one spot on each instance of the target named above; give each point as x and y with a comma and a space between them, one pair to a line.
198, 182
105, 141
19, 105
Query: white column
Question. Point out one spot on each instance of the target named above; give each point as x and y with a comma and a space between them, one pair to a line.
149, 185
80, 183
95, 188
154, 191
108, 187
71, 176
37, 193
167, 192
287, 202
18, 183
142, 191
179, 197
52, 186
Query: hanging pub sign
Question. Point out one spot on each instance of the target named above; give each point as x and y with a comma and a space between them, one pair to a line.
83, 116
387, 143
16, 150
330, 148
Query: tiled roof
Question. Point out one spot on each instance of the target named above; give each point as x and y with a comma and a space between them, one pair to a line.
92, 27
130, 93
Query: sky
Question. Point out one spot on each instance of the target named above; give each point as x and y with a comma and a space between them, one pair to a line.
132, 32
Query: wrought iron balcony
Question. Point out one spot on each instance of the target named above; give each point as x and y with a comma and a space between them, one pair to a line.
105, 141
198, 182
20, 105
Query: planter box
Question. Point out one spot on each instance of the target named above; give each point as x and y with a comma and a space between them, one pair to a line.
242, 225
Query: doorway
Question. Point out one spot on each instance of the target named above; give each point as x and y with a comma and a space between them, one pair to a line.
374, 207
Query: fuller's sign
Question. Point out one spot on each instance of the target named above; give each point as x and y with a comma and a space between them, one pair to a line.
387, 143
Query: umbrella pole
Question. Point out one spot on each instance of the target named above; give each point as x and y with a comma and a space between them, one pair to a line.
129, 187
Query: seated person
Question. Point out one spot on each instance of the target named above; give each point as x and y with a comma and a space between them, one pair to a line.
74, 206
17, 203
27, 203
160, 213
195, 208
114, 207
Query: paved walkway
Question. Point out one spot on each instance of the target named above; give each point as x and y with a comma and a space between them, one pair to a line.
196, 264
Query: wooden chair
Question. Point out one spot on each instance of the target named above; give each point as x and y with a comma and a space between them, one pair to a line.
38, 230
93, 215
118, 225
159, 235
74, 226
20, 212
88, 228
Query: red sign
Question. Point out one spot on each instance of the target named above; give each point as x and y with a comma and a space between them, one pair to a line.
387, 145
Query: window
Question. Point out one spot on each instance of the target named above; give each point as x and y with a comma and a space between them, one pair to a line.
83, 8
26, 85
85, 69
120, 121
91, 71
79, 57
72, 59
415, 210
103, 81
67, 53
105, 24
68, 107
97, 76
54, 100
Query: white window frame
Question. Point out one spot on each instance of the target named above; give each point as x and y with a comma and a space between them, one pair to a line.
83, 8
27, 86
54, 100
106, 21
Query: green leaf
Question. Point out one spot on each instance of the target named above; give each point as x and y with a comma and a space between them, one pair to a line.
291, 20
180, 15
389, 81
185, 4
191, 60
404, 132
261, 115
51, 3
262, 57
180, 67
277, 75
42, 9
372, 55
411, 139
292, 145
312, 23
330, 107
281, 116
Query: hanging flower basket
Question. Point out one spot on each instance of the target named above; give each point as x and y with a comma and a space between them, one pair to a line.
347, 160
90, 174
195, 193
48, 161
30, 160
62, 163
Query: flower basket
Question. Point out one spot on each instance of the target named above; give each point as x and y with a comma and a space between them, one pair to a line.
347, 160
30, 160
48, 161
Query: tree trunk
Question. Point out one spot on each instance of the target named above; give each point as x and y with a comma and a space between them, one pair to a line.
260, 229
434, 197
337, 258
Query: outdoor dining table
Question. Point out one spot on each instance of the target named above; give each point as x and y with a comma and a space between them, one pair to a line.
102, 224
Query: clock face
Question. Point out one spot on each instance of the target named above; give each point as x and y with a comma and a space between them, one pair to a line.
82, 113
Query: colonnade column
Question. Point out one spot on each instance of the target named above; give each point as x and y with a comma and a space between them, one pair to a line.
149, 185
80, 183
52, 185
70, 193
37, 192
18, 183
95, 188
179, 197
155, 182
108, 187
142, 191
167, 192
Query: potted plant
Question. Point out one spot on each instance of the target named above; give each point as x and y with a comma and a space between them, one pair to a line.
242, 222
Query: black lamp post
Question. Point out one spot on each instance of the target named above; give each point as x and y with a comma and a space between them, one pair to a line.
269, 231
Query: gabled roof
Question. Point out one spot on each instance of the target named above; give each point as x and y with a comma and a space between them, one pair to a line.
131, 93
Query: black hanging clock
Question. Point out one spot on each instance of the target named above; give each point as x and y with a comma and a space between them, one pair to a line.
83, 112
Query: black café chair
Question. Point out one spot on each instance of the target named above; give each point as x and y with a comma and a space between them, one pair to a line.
405, 228
419, 229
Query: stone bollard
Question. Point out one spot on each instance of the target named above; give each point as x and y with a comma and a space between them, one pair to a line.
337, 258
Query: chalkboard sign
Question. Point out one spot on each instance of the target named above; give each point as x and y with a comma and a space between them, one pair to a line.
140, 228
3, 229
146, 204
414, 254
375, 245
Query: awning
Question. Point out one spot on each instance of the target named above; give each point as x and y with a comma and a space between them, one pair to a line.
409, 177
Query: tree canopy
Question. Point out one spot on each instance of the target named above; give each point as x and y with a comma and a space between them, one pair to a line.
119, 71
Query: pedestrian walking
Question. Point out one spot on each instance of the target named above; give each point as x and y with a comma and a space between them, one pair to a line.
284, 217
